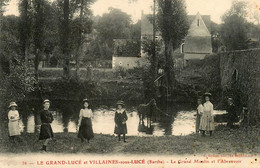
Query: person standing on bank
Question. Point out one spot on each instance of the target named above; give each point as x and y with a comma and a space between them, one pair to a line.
198, 114
207, 119
120, 120
13, 124
231, 113
85, 123
46, 117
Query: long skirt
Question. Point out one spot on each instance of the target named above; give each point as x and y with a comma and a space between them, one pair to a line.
207, 122
14, 129
85, 129
120, 129
46, 131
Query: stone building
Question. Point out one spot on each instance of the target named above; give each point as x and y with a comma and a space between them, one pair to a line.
197, 43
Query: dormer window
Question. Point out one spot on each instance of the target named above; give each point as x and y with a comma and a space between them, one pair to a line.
198, 22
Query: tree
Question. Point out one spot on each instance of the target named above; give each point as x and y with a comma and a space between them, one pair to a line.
234, 29
38, 25
3, 3
9, 42
72, 28
25, 27
173, 25
112, 25
81, 26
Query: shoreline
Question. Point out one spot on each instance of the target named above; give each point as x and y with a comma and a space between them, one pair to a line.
223, 141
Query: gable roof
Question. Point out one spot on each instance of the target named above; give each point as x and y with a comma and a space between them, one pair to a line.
206, 19
198, 27
147, 27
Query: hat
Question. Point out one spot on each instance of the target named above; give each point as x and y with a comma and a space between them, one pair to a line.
207, 94
85, 100
120, 102
46, 100
12, 104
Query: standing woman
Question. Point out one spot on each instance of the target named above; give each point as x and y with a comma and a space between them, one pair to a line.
13, 124
120, 120
207, 119
85, 123
46, 132
198, 115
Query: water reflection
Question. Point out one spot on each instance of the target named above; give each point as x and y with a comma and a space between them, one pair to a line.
182, 123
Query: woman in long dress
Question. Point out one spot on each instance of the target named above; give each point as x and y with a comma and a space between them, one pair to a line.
120, 120
46, 132
85, 123
13, 124
207, 119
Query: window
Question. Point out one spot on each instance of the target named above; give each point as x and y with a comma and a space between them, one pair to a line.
198, 22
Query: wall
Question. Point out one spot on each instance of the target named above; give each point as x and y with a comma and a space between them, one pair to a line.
128, 62
240, 79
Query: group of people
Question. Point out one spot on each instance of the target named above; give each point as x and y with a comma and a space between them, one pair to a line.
205, 118
85, 130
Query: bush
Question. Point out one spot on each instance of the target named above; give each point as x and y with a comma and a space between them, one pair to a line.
16, 85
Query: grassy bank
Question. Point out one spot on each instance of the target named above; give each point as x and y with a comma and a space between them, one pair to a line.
245, 141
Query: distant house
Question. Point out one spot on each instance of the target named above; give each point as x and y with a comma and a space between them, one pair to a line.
127, 53
197, 43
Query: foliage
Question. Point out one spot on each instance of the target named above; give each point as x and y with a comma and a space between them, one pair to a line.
173, 25
16, 85
235, 33
73, 28
113, 25
172, 21
127, 47
234, 29
9, 42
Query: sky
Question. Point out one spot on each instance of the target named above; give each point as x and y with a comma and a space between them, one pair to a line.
214, 8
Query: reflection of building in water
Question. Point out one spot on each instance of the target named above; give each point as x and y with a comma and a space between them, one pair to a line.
57, 124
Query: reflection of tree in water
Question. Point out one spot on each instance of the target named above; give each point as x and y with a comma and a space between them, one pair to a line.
70, 111
166, 121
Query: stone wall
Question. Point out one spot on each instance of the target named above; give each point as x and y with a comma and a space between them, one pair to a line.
240, 79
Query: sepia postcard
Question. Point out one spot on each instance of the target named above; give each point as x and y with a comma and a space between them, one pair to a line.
129, 83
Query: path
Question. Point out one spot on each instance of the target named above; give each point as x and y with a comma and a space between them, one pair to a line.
121, 145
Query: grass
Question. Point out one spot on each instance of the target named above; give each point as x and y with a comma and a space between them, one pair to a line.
246, 141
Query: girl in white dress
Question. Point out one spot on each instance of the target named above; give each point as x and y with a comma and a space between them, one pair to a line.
207, 119
85, 123
13, 124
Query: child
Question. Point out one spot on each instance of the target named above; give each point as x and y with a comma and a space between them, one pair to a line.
120, 120
231, 113
207, 119
13, 124
198, 115
46, 132
85, 124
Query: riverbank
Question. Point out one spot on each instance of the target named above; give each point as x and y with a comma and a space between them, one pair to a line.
246, 141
